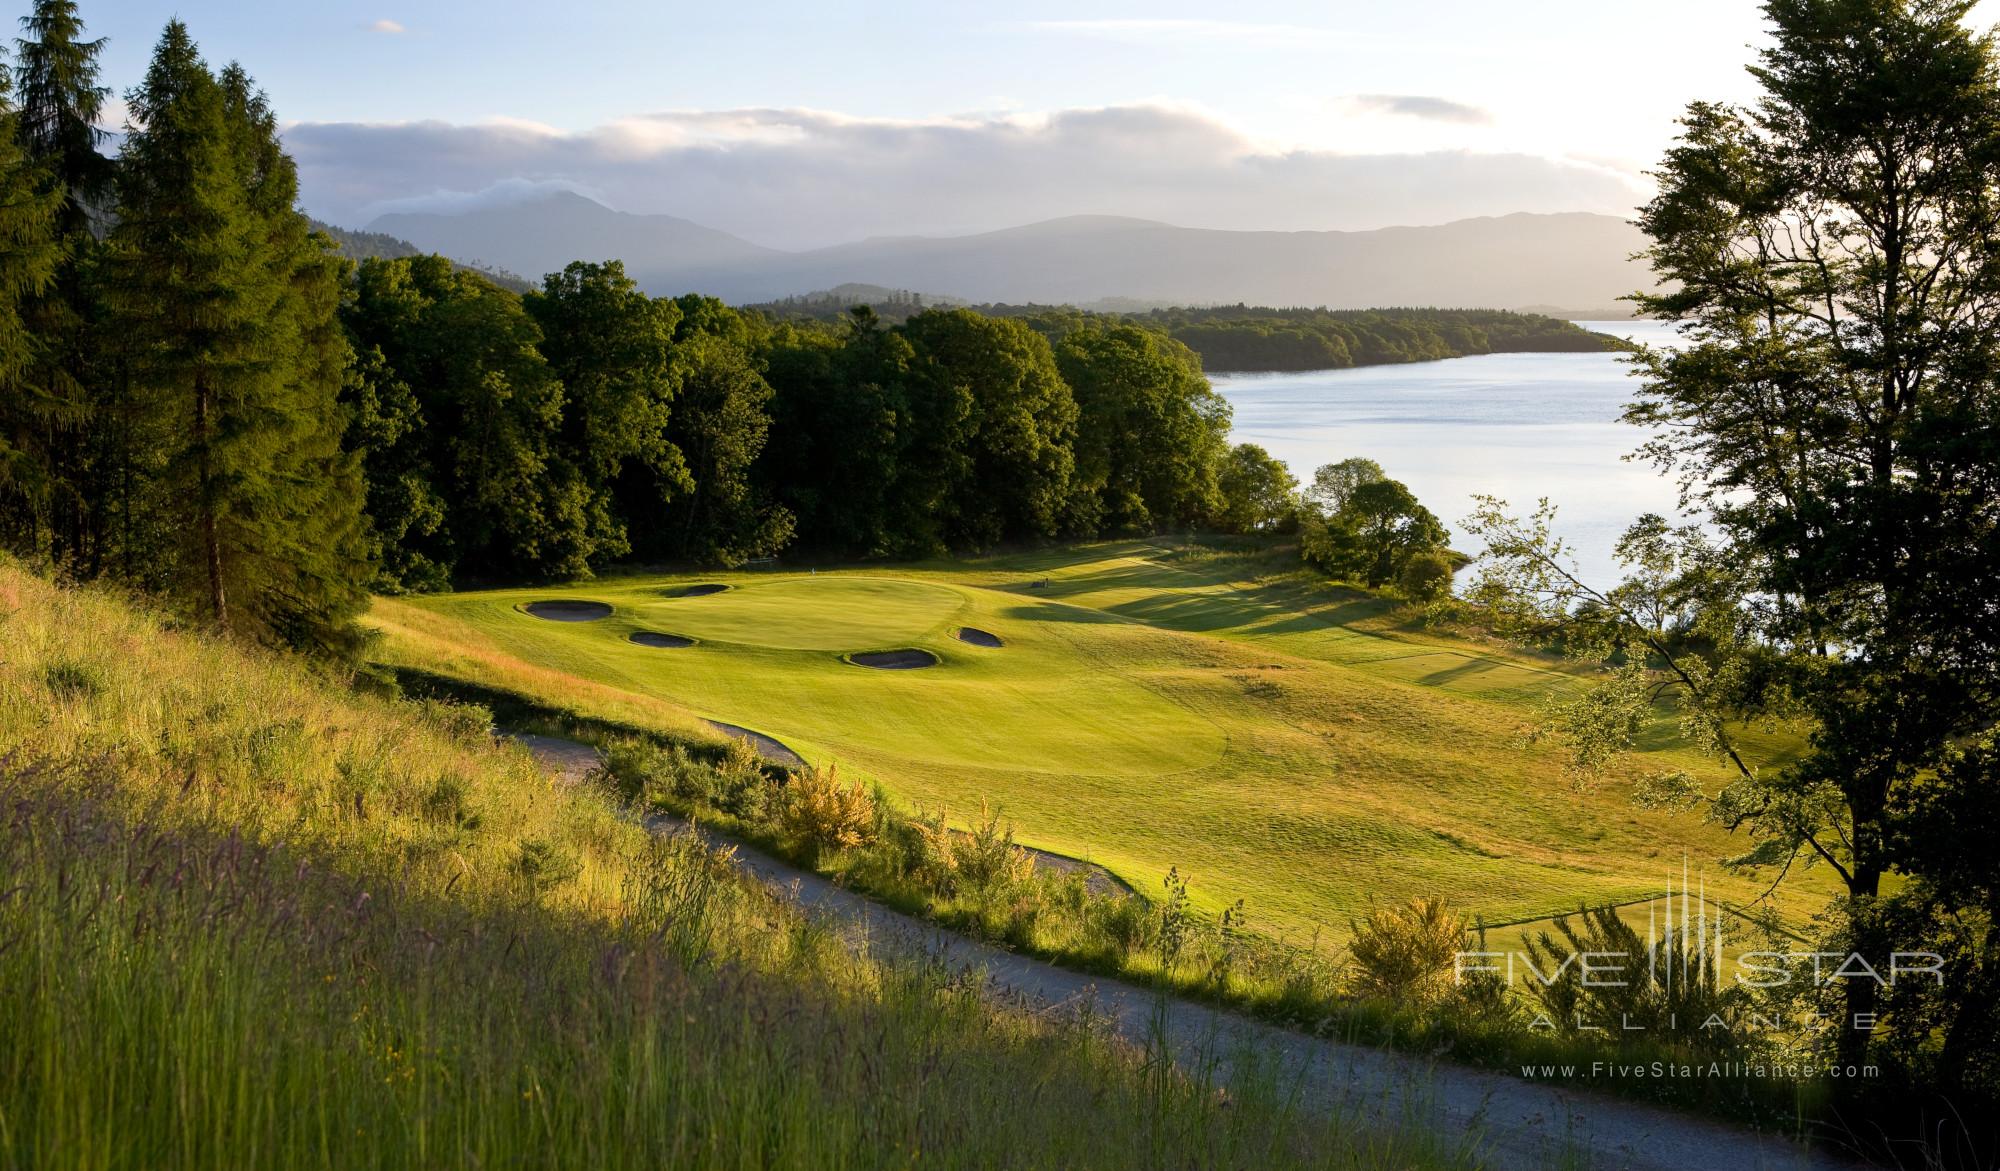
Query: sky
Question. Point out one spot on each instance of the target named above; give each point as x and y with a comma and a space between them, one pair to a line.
805, 124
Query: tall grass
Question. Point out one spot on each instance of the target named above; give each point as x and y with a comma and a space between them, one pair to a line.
249, 919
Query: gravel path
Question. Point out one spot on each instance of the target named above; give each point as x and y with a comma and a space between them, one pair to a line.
1520, 1124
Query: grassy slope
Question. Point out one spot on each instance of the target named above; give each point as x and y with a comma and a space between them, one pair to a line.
248, 918
1294, 748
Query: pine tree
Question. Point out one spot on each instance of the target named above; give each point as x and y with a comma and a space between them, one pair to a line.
60, 102
312, 551
231, 305
40, 415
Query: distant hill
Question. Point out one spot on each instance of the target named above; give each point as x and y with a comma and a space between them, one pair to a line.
359, 246
543, 235
1564, 259
892, 305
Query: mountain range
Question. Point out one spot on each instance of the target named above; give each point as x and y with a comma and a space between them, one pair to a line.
1491, 262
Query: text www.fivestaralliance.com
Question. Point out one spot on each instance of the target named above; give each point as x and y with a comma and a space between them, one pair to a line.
1713, 1069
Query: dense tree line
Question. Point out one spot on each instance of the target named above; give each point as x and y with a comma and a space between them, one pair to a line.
357, 245
1238, 337
1260, 338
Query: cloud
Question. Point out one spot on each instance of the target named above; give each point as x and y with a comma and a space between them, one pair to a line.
1422, 106
801, 178
501, 194
387, 26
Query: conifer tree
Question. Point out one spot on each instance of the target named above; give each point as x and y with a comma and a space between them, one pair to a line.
311, 552
35, 412
231, 304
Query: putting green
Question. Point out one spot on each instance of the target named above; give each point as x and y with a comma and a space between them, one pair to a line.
825, 612
1305, 749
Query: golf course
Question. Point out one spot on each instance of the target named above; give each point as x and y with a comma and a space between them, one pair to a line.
1315, 752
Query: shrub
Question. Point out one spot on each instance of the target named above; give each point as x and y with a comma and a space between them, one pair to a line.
821, 815
987, 858
925, 845
1662, 986
739, 785
1407, 955
1126, 923
1426, 576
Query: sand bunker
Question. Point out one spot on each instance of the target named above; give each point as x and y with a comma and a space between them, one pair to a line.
770, 749
978, 637
567, 611
906, 659
656, 639
702, 590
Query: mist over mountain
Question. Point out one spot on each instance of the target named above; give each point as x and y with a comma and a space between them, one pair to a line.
1559, 259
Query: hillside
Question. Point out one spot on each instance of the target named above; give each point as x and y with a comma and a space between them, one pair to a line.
542, 236
254, 919
1566, 259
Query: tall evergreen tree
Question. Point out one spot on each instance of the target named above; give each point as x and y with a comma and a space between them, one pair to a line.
28, 256
45, 444
311, 551
231, 305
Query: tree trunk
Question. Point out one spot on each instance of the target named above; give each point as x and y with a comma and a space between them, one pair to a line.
211, 540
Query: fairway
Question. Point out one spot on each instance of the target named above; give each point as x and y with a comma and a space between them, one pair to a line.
1301, 750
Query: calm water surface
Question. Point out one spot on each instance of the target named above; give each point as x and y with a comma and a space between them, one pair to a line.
1516, 426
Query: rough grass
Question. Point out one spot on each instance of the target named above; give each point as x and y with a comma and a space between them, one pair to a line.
1310, 751
250, 919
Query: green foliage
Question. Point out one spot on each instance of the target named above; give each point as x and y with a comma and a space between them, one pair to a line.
1408, 955
1376, 536
1426, 575
823, 816
227, 304
1004, 425
1257, 493
1150, 433
1240, 337
612, 347
1334, 484
719, 426
1665, 987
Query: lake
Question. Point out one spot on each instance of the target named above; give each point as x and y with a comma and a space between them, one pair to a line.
1516, 426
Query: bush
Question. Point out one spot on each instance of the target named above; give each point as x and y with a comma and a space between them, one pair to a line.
1407, 955
1426, 576
1127, 924
1661, 988
821, 815
987, 858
